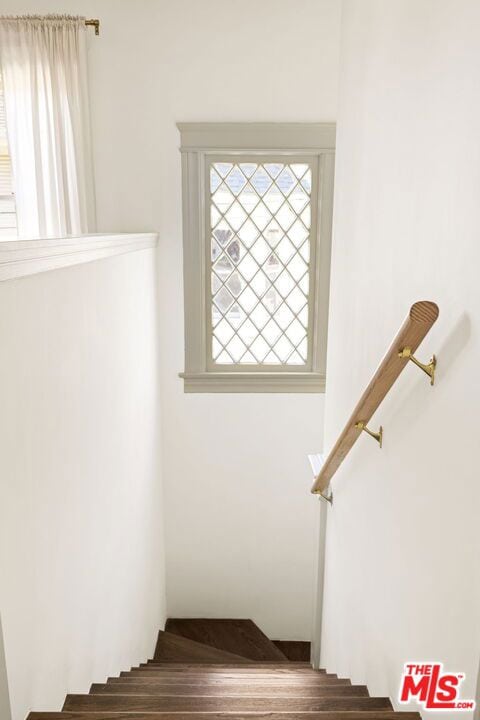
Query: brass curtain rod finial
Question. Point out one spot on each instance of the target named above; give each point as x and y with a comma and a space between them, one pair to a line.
378, 436
428, 368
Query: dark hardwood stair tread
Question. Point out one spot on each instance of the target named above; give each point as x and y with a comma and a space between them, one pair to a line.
271, 674
320, 715
253, 663
245, 666
294, 650
198, 670
245, 671
222, 679
228, 691
175, 648
191, 680
145, 703
242, 637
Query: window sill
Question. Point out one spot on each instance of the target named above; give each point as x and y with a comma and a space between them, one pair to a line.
19, 258
253, 382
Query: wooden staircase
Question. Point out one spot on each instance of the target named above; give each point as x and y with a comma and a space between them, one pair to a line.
211, 669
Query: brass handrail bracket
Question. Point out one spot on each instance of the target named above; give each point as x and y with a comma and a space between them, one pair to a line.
428, 368
328, 498
418, 323
378, 436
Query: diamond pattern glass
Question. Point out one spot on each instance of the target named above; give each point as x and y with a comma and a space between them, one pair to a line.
260, 218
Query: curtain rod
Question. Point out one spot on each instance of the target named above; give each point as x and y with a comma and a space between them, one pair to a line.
95, 24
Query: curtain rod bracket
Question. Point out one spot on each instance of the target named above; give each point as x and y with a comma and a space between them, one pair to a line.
378, 436
428, 368
95, 24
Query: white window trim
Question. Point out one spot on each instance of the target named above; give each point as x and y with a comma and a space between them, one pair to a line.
199, 141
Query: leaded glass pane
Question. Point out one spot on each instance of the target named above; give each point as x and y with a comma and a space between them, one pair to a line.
260, 216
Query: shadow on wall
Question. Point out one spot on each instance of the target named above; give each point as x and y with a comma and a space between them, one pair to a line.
448, 352
5, 713
455, 342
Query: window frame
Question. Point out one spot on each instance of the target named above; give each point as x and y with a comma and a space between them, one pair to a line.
202, 144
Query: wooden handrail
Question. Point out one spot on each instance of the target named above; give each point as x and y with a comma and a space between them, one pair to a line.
420, 319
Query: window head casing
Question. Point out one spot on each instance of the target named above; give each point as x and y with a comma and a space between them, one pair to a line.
257, 207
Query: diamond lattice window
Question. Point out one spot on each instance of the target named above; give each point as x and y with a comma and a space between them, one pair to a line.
257, 218
260, 222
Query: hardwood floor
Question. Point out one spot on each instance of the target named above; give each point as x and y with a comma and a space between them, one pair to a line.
172, 647
241, 637
294, 650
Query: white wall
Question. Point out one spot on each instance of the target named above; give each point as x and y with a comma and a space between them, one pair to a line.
82, 591
403, 556
240, 520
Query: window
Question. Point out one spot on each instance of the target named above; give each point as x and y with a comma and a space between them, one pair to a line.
257, 224
8, 218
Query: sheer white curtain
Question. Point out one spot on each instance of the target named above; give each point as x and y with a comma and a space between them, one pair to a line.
44, 68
